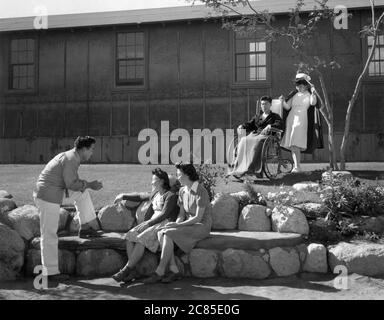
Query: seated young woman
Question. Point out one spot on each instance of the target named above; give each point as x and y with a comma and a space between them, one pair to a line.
163, 209
193, 224
248, 158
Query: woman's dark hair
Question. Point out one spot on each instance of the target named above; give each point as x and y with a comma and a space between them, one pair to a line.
302, 81
162, 175
189, 170
84, 142
266, 98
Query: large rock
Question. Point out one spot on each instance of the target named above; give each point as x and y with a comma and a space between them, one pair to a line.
5, 194
11, 253
289, 219
99, 262
67, 261
373, 224
312, 210
324, 231
147, 264
26, 221
316, 259
284, 261
242, 264
6, 205
362, 258
336, 175
203, 263
253, 217
116, 217
225, 212
306, 186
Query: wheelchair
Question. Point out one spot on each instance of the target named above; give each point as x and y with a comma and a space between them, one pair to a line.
274, 165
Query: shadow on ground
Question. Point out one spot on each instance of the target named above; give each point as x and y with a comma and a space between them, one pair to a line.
186, 289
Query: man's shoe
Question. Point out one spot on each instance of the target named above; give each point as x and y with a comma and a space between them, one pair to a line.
172, 276
122, 274
58, 277
153, 278
88, 233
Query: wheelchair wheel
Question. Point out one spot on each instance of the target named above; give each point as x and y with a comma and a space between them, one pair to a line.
273, 166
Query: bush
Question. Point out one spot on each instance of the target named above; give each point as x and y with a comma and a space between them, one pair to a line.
353, 198
209, 175
251, 197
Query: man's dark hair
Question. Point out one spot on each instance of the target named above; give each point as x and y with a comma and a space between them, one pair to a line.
84, 142
162, 175
189, 170
266, 98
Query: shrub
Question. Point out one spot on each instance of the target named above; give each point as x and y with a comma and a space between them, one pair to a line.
353, 198
251, 197
209, 175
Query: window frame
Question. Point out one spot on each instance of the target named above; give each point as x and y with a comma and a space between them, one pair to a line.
9, 74
248, 83
368, 78
116, 87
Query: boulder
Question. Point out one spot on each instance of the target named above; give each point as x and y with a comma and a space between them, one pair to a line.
116, 217
312, 210
284, 261
5, 206
147, 264
306, 186
336, 175
225, 212
253, 217
5, 194
26, 221
322, 230
373, 224
242, 264
203, 263
99, 262
316, 259
67, 261
289, 219
359, 257
11, 253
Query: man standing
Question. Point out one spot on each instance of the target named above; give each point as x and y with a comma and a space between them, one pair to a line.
59, 184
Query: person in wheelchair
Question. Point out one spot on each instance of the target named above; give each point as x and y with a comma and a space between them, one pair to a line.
249, 151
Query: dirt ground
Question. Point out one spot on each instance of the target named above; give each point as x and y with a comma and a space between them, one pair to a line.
302, 287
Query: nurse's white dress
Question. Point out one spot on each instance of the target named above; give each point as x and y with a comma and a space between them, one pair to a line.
297, 122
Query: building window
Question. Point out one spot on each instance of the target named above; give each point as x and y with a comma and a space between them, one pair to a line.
130, 64
250, 59
22, 64
376, 66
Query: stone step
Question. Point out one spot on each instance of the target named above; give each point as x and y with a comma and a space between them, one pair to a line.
249, 240
218, 240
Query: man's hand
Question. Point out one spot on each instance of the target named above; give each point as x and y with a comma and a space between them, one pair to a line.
172, 225
95, 185
281, 98
266, 130
142, 226
313, 89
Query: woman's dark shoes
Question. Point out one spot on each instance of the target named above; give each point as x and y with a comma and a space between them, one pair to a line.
88, 233
172, 276
131, 276
122, 274
153, 278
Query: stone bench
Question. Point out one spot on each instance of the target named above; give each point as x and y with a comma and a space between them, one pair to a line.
230, 253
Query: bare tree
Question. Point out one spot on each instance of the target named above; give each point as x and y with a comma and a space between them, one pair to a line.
370, 30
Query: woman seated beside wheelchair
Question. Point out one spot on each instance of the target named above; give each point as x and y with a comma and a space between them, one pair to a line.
249, 151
